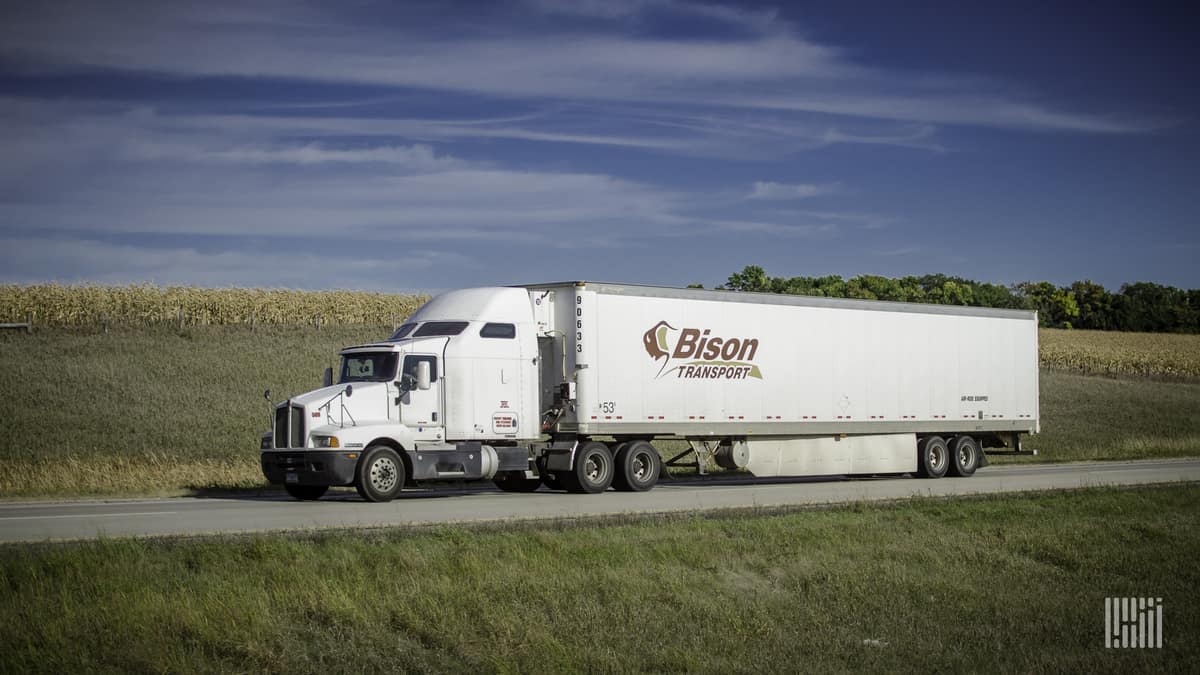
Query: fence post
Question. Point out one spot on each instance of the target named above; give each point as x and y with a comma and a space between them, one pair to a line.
28, 323
106, 322
179, 313
251, 321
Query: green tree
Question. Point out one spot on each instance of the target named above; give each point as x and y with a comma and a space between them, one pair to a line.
1150, 307
994, 295
1056, 306
1095, 306
751, 279
1142, 306
873, 287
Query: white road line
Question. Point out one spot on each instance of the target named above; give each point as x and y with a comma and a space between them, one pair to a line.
92, 515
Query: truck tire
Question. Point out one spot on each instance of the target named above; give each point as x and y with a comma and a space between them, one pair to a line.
964, 456
637, 467
516, 481
933, 457
306, 493
593, 470
379, 475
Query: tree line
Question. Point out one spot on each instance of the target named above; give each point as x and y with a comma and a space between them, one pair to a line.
1143, 306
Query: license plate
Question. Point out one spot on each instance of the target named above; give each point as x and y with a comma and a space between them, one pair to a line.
292, 478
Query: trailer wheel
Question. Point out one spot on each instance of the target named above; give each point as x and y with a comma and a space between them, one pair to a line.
593, 470
964, 453
516, 481
933, 457
306, 493
380, 474
638, 466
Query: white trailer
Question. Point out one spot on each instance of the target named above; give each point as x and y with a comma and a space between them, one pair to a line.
568, 385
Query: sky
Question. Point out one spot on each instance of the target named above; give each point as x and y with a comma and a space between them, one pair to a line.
422, 146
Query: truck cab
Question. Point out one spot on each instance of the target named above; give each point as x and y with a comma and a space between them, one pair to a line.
451, 395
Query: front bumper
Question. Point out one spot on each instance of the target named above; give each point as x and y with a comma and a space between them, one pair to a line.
299, 466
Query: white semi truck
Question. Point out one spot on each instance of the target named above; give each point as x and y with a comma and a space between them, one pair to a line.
569, 385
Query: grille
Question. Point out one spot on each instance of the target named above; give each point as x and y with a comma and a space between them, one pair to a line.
281, 426
289, 427
297, 427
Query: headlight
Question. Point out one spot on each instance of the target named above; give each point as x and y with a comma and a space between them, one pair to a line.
326, 442
265, 444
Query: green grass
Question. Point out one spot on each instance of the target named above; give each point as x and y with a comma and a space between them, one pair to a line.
150, 410
1105, 418
159, 411
1010, 584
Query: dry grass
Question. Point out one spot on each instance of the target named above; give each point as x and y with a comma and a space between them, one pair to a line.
96, 306
134, 475
1168, 355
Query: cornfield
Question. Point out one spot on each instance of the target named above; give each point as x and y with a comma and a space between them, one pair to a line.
52, 305
55, 306
1111, 353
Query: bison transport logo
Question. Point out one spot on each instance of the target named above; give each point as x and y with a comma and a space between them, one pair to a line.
695, 354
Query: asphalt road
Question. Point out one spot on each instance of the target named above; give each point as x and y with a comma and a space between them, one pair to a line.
57, 521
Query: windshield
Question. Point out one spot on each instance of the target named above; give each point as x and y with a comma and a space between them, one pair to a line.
369, 367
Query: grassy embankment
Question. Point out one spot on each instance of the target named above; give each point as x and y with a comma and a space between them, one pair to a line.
1012, 584
142, 390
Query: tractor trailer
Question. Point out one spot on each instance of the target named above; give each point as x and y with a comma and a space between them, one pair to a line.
570, 385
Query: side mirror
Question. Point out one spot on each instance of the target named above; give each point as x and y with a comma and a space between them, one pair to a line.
423, 375
327, 378
349, 390
267, 395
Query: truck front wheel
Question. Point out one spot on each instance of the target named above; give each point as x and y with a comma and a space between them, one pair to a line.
638, 466
593, 470
379, 475
306, 493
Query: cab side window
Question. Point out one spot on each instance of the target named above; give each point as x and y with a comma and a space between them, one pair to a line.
505, 331
410, 366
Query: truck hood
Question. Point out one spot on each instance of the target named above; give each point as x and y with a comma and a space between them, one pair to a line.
368, 402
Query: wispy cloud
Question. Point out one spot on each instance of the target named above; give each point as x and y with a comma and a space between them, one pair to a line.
901, 251
74, 259
372, 44
786, 191
760, 21
414, 158
481, 136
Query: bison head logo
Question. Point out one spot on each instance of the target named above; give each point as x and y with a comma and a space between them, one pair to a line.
655, 342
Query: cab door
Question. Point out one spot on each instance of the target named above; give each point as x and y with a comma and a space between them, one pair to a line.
420, 407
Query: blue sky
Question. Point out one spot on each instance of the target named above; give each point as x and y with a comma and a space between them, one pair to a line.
432, 145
